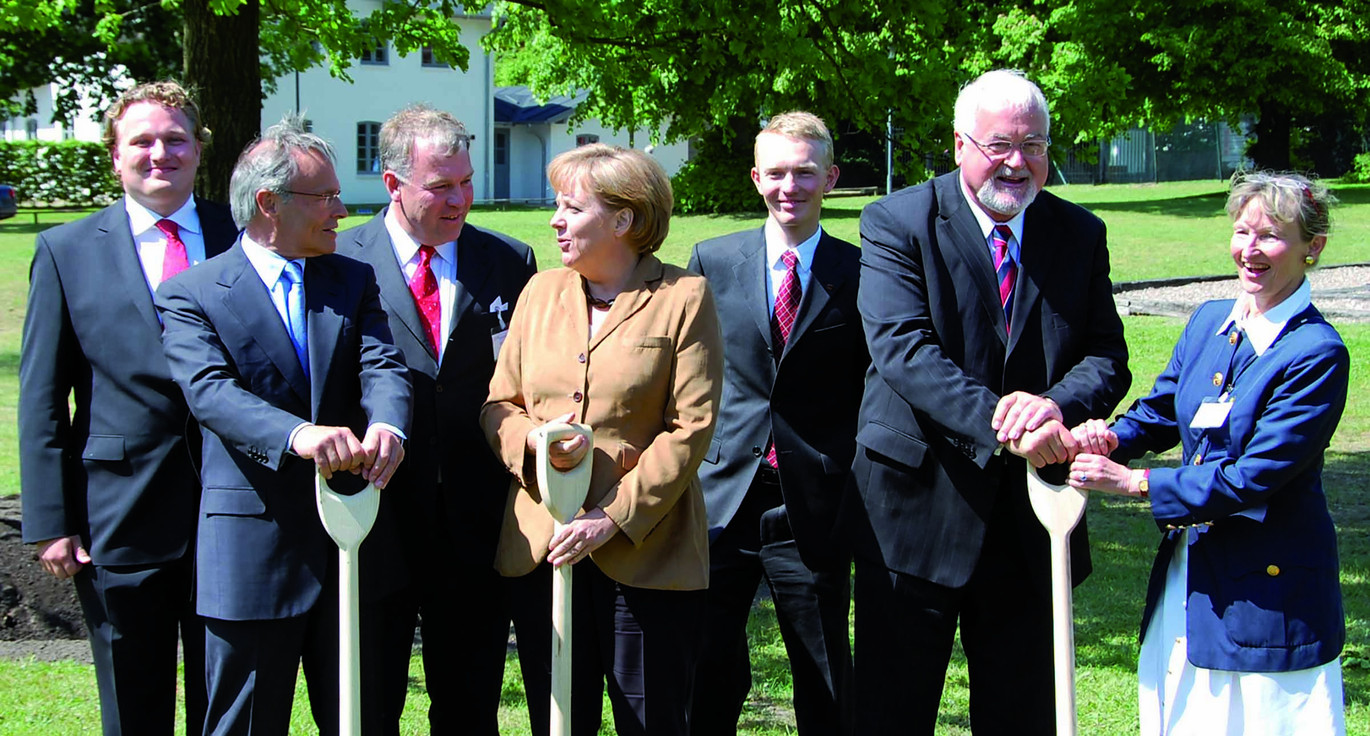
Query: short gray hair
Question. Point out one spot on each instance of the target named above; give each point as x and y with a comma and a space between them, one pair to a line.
268, 164
1284, 197
415, 123
1008, 87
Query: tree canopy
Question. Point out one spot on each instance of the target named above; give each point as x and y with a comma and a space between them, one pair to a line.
1104, 65
230, 51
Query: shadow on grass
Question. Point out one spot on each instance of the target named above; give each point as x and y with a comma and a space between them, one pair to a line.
1345, 477
1198, 206
25, 228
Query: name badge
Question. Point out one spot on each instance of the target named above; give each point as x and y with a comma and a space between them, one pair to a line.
497, 341
1212, 413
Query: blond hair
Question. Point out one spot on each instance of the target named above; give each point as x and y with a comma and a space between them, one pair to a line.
620, 178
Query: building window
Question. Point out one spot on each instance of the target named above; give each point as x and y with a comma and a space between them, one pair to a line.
68, 130
308, 126
378, 55
368, 148
31, 128
586, 139
429, 59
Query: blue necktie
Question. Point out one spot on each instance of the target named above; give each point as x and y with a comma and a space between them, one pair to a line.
1005, 271
292, 279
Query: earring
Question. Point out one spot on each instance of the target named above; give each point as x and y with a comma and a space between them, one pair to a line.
1309, 260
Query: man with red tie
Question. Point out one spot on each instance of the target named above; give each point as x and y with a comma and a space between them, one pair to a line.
794, 365
449, 288
110, 492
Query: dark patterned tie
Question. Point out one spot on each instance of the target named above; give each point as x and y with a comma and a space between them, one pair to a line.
175, 260
1006, 270
424, 286
786, 309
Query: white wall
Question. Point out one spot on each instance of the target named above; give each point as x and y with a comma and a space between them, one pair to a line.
532, 146
86, 125
669, 156
335, 107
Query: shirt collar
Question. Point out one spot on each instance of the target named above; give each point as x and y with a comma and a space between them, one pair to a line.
267, 263
142, 219
1262, 329
987, 223
405, 245
805, 250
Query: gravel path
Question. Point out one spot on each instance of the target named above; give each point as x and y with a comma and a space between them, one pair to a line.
1342, 293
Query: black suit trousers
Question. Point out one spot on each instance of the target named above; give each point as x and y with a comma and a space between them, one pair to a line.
134, 614
642, 643
905, 628
811, 608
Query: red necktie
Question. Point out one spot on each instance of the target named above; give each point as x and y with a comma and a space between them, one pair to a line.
786, 309
1006, 271
424, 286
175, 260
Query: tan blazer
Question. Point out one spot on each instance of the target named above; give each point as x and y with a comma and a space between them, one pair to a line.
648, 384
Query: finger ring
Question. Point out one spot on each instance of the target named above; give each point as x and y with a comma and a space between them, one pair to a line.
1084, 478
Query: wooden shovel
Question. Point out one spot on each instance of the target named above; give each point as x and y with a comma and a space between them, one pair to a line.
563, 493
1059, 508
348, 519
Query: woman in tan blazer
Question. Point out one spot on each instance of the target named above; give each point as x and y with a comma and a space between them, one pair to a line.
630, 346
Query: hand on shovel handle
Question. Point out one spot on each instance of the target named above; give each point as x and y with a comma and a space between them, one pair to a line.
575, 541
333, 449
383, 452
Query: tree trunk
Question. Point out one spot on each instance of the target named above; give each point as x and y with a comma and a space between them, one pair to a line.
1271, 149
223, 68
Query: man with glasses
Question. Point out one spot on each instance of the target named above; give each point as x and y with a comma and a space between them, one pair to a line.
990, 319
284, 354
449, 288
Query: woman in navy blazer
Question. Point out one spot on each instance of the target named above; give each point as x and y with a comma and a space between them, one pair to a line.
1243, 621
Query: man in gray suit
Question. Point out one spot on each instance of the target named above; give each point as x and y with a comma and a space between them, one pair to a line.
449, 288
285, 357
110, 492
794, 364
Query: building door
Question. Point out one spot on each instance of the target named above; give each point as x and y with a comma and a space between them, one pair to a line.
501, 163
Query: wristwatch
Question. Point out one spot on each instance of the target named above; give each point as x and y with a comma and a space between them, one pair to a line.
1144, 484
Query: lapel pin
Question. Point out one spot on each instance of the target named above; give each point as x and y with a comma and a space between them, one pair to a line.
1217, 379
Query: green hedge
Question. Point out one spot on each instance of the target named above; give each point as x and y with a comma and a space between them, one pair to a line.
716, 179
59, 173
1360, 170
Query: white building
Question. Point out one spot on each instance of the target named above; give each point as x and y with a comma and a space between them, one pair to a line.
514, 137
84, 126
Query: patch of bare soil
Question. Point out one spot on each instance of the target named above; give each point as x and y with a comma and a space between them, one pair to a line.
34, 606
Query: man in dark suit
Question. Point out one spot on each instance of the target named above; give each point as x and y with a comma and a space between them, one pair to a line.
794, 366
110, 492
991, 324
284, 354
449, 288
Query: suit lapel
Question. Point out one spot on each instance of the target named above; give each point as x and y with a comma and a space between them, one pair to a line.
1026, 293
633, 297
959, 228
377, 250
115, 242
247, 297
473, 269
824, 278
750, 272
323, 324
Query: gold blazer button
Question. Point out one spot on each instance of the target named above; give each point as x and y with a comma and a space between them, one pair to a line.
1272, 570
1217, 379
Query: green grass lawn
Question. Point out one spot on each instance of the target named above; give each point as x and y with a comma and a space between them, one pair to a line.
1155, 231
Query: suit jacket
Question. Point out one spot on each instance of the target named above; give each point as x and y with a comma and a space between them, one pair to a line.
262, 552
648, 384
1264, 596
807, 399
928, 471
118, 472
446, 440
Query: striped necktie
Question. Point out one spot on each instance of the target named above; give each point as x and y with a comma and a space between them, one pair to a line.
1006, 271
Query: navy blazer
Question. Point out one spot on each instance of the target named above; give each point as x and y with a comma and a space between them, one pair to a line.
928, 470
262, 552
118, 472
1264, 596
446, 440
807, 398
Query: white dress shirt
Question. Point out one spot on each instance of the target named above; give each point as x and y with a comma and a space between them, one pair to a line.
443, 263
775, 267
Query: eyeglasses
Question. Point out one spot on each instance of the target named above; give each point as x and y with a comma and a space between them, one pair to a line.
327, 197
997, 149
